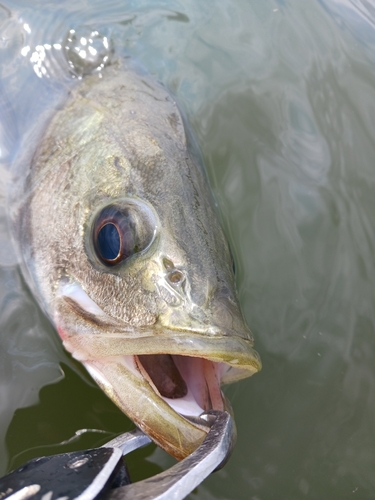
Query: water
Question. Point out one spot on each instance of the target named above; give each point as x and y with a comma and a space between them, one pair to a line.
281, 97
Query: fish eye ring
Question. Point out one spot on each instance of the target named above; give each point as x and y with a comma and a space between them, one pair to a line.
122, 230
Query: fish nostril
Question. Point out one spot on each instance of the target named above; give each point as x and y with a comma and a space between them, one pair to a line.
168, 264
175, 277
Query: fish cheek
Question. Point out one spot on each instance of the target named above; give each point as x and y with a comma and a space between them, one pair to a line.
120, 238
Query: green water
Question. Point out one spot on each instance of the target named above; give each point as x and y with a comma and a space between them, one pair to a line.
281, 97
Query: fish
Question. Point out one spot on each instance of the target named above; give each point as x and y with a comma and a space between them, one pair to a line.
123, 248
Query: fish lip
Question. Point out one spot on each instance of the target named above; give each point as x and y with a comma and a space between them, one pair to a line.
233, 351
106, 334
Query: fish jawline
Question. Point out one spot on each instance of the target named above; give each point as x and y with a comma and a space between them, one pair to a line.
164, 419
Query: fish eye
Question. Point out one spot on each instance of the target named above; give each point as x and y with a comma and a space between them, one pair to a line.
120, 231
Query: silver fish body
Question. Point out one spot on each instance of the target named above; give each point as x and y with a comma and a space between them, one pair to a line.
122, 245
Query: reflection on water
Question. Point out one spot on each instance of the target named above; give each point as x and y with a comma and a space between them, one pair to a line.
281, 97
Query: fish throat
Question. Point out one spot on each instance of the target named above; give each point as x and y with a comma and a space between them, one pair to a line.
190, 385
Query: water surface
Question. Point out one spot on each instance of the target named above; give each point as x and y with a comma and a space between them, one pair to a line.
281, 97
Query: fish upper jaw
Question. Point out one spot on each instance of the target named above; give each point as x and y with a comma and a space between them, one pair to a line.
81, 321
158, 376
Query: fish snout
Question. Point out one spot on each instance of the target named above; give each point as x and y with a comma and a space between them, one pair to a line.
226, 313
198, 303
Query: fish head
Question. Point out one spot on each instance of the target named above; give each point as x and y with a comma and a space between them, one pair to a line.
123, 245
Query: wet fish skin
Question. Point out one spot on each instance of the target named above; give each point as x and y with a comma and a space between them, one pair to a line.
120, 140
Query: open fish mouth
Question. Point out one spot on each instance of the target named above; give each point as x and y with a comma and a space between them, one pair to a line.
162, 378
189, 385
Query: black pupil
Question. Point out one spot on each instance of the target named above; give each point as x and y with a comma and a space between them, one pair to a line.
108, 242
119, 233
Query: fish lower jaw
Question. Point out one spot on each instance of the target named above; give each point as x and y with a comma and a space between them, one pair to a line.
190, 386
167, 410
